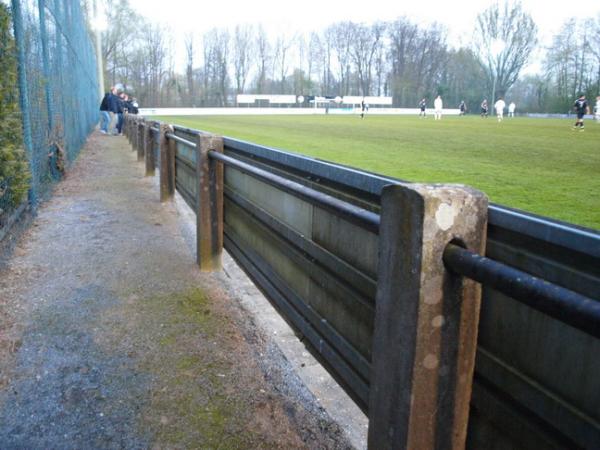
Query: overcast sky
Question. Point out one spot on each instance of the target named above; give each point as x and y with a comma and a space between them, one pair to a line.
309, 15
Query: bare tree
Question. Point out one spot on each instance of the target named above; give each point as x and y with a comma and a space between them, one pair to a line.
573, 63
189, 68
341, 35
156, 52
215, 73
282, 47
417, 57
381, 67
118, 42
505, 37
594, 46
243, 52
363, 48
263, 53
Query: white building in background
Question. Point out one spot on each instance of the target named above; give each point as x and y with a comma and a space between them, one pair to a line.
320, 101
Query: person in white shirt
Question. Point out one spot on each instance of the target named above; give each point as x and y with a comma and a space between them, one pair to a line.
499, 106
511, 109
597, 109
437, 108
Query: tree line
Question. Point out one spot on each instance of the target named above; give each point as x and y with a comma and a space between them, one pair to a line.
397, 58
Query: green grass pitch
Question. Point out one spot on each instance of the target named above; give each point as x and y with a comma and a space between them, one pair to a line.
537, 165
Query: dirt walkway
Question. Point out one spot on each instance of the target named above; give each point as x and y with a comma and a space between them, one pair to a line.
111, 338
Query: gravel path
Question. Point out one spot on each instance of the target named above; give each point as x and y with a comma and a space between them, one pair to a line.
110, 337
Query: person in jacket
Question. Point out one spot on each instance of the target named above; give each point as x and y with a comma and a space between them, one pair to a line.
122, 107
104, 113
113, 107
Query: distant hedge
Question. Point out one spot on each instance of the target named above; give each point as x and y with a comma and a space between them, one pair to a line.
14, 171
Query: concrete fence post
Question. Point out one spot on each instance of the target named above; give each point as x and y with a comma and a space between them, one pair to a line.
130, 122
426, 318
209, 212
134, 134
125, 123
167, 164
140, 140
149, 149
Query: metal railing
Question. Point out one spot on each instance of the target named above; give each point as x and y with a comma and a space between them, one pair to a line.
571, 308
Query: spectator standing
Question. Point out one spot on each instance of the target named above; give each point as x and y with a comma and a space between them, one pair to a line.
511, 109
123, 99
104, 113
132, 106
113, 107
499, 107
597, 109
581, 108
438, 105
462, 108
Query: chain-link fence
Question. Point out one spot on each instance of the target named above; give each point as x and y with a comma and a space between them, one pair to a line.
57, 87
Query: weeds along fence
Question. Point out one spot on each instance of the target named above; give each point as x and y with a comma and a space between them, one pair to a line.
56, 86
383, 279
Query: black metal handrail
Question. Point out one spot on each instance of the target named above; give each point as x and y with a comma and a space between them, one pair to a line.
181, 140
560, 303
367, 219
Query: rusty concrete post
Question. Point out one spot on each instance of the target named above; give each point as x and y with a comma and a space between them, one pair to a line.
131, 124
426, 318
149, 148
209, 207
134, 134
167, 163
141, 141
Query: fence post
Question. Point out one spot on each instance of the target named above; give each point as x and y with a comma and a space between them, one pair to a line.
209, 207
167, 164
140, 140
149, 148
127, 124
136, 134
131, 136
426, 318
131, 126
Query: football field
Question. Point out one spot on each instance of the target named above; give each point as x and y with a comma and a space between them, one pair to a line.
537, 165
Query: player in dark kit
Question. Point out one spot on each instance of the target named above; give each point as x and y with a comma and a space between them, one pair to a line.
422, 106
484, 108
581, 108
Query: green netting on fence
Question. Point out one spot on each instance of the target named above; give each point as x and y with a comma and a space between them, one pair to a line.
57, 85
